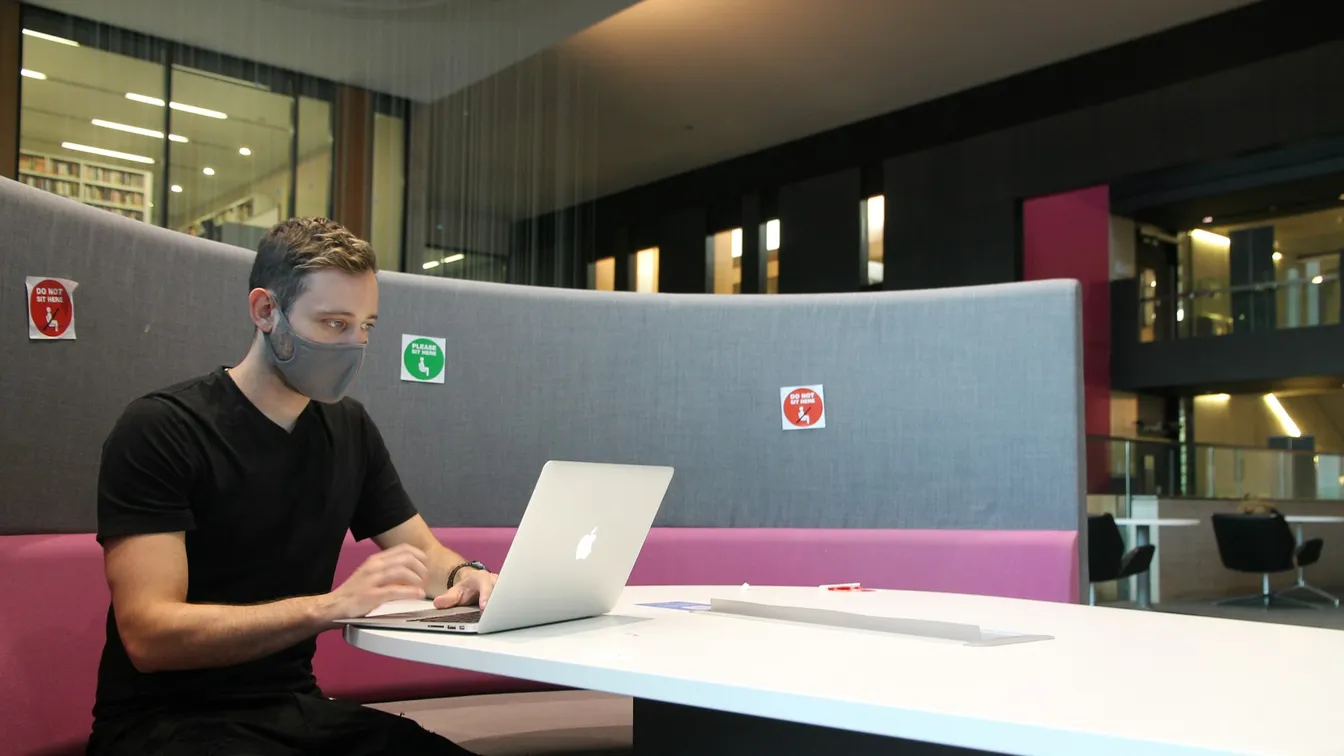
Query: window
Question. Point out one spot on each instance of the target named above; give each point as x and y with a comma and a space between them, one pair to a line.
231, 165
389, 183
725, 254
772, 244
312, 183
645, 270
81, 136
602, 274
874, 214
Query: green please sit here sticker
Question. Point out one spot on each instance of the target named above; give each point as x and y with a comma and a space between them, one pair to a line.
422, 358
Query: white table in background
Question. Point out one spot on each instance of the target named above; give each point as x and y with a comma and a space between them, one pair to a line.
1297, 521
1142, 537
801, 685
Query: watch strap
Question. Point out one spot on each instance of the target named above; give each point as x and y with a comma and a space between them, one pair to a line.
452, 576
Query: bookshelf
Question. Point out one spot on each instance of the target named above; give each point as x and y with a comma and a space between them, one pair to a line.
116, 189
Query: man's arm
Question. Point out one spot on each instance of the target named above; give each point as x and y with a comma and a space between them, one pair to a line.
470, 585
147, 575
439, 559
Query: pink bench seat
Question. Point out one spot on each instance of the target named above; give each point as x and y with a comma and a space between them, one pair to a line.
54, 600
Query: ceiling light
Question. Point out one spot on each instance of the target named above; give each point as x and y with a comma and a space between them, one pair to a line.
454, 258
176, 189
1275, 407
208, 171
1208, 219
431, 265
178, 139
1152, 284
1180, 314
31, 74
1215, 397
1277, 256
146, 99
1318, 280
108, 153
244, 151
128, 129
198, 111
1208, 237
50, 38
158, 102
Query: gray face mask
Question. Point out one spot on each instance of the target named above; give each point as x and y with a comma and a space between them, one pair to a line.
321, 372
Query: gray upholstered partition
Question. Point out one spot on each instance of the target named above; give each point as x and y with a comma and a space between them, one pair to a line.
944, 409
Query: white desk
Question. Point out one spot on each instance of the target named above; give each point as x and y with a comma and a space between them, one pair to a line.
1078, 693
1298, 521
1142, 537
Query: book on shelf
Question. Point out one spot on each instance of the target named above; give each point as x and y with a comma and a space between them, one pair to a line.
124, 191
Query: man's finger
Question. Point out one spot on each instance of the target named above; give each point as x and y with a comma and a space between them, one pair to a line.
450, 598
487, 585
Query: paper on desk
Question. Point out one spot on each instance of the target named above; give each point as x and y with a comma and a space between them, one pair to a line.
968, 634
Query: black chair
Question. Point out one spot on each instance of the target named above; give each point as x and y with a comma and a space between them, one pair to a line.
1264, 544
1106, 556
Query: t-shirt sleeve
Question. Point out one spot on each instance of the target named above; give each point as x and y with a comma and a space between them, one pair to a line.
147, 472
383, 502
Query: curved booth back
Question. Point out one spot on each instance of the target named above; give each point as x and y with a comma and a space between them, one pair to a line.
951, 454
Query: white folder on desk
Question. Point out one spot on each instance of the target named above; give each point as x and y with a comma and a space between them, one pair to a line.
968, 634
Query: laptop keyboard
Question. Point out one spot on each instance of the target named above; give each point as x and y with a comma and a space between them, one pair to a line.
459, 617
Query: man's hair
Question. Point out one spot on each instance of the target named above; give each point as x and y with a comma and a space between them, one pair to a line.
294, 248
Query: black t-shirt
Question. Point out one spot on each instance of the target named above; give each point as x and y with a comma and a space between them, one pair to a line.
265, 512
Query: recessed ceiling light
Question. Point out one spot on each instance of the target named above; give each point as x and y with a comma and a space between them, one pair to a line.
128, 129
208, 113
208, 171
146, 99
1318, 279
176, 189
50, 38
31, 74
454, 258
430, 265
244, 151
158, 102
1208, 219
108, 153
1277, 256
177, 138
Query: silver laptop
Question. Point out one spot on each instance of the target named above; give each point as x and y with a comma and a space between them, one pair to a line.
570, 558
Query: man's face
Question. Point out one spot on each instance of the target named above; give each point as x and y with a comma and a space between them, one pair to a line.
335, 307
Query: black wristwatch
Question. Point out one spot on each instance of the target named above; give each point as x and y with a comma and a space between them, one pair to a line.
473, 564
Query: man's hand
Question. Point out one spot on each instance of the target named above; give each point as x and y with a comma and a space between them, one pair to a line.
397, 573
472, 586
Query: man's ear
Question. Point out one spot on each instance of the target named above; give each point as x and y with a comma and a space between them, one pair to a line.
261, 307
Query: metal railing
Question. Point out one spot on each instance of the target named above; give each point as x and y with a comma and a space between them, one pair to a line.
1265, 306
1146, 467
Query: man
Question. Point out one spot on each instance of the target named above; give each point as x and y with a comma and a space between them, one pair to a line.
222, 505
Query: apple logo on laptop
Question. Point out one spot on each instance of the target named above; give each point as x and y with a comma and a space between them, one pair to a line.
585, 546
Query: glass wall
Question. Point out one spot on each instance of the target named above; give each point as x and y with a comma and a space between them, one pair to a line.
644, 268
82, 136
189, 139
389, 183
772, 241
231, 167
725, 256
1272, 273
602, 274
874, 214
